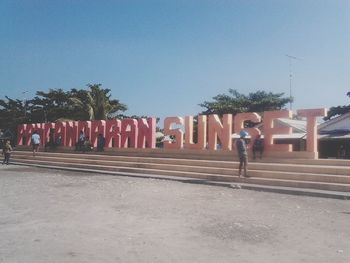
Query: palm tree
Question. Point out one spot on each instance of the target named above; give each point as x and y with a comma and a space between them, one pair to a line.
95, 103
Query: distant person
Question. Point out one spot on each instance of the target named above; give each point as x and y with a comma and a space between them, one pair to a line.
81, 140
87, 146
258, 146
35, 142
242, 153
100, 143
341, 154
59, 140
51, 143
6, 151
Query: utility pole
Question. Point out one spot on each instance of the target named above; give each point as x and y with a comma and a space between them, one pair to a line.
290, 58
25, 104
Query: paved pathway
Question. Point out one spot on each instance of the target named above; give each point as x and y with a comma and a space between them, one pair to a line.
56, 216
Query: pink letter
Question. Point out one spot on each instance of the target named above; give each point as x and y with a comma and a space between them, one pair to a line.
239, 120
85, 126
311, 125
147, 133
30, 128
177, 133
21, 132
61, 130
97, 127
69, 138
47, 129
201, 132
221, 131
28, 133
129, 133
113, 130
270, 130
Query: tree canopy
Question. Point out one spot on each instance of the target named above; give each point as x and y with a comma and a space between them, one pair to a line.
12, 112
235, 102
94, 103
338, 110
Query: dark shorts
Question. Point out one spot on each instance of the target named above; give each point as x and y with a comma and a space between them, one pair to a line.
35, 146
243, 158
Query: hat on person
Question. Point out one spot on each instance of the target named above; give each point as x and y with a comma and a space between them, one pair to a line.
243, 134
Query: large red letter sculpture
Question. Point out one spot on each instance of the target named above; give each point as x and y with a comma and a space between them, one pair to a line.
311, 126
221, 131
129, 133
178, 134
113, 131
146, 130
201, 133
270, 130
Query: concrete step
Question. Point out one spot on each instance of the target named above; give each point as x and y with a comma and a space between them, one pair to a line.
300, 184
235, 185
334, 183
135, 170
122, 160
233, 170
326, 162
297, 176
295, 157
138, 164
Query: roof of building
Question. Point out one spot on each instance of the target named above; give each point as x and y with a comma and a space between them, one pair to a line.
340, 123
297, 125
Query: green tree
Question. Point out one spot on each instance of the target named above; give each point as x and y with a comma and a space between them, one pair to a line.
338, 110
12, 113
235, 102
50, 106
95, 103
92, 104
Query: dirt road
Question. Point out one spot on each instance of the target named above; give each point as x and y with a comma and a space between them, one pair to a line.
56, 216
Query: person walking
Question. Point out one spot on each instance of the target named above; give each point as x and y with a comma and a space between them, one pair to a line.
241, 147
35, 142
6, 151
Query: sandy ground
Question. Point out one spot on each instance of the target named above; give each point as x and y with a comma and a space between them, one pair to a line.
56, 216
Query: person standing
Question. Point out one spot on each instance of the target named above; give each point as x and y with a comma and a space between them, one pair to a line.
81, 141
6, 151
35, 142
258, 146
100, 142
341, 154
241, 147
59, 140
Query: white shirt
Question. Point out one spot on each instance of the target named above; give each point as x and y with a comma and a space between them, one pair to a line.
36, 138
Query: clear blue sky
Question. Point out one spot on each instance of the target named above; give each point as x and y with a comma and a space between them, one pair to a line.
163, 58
